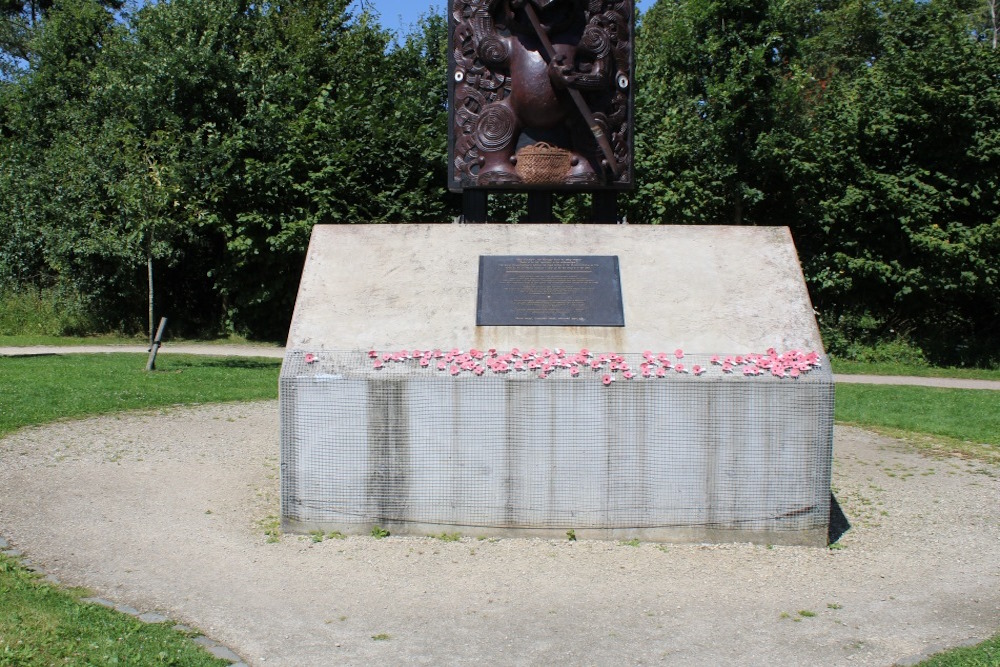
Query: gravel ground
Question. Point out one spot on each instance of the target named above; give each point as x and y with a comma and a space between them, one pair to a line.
168, 511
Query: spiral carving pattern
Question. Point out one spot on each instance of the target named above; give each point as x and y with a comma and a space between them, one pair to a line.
493, 51
495, 128
596, 41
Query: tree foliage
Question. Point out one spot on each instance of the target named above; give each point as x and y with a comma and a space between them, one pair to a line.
867, 126
205, 139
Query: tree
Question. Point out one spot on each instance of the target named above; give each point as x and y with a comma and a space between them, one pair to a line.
18, 21
710, 74
897, 166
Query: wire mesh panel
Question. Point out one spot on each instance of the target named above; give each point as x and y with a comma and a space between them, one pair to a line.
606, 445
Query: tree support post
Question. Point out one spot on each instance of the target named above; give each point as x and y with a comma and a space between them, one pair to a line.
155, 347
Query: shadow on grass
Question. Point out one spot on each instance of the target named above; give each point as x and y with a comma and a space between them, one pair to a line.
247, 363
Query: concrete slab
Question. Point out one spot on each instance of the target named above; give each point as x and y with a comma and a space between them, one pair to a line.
716, 456
713, 289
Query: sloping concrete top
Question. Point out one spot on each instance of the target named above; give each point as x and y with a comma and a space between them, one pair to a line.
711, 289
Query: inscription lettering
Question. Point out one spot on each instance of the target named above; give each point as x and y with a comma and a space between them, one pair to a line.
543, 290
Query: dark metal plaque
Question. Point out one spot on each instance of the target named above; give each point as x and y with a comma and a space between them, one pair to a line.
549, 290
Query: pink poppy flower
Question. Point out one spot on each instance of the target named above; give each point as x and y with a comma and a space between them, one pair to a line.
739, 361
727, 368
425, 362
515, 352
646, 372
749, 370
585, 352
662, 373
310, 358
574, 371
372, 354
479, 370
697, 370
518, 365
680, 368
378, 364
794, 372
543, 376
679, 353
442, 365
454, 370
628, 375
715, 359
607, 379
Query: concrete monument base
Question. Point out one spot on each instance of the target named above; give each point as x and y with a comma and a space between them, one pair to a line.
631, 445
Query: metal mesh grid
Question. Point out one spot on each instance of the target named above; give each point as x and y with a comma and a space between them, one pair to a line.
410, 444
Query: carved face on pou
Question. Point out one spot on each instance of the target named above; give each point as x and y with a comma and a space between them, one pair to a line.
515, 63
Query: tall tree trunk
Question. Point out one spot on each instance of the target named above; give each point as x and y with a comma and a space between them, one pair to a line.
149, 274
992, 5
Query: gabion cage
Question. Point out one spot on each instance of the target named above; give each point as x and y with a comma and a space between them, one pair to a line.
718, 455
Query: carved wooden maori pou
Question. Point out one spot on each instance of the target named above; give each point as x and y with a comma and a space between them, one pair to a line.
541, 94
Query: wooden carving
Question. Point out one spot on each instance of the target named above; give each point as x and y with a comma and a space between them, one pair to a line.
541, 94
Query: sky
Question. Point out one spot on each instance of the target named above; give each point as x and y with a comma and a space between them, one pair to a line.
398, 15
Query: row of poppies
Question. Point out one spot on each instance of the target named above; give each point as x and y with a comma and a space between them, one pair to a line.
544, 362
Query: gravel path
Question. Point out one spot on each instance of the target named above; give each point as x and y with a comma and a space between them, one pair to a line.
275, 351
167, 512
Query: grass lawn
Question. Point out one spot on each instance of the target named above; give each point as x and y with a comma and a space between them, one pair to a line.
36, 390
866, 368
986, 654
68, 341
43, 624
964, 415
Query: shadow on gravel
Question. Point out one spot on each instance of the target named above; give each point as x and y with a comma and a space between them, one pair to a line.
839, 524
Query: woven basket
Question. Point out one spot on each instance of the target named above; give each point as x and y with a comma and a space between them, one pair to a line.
543, 163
